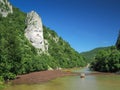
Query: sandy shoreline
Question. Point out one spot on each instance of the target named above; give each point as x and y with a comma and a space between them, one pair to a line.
40, 77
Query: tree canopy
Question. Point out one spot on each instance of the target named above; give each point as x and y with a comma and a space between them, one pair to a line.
107, 60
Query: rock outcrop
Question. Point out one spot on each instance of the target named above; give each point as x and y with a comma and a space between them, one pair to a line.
5, 8
34, 31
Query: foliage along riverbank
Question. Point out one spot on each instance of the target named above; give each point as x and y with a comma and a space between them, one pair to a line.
2, 85
108, 60
18, 56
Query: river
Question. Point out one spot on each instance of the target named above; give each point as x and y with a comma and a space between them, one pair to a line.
90, 82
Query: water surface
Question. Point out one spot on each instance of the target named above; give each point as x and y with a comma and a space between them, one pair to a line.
91, 82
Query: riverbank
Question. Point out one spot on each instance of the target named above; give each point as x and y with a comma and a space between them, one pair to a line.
92, 81
40, 77
44, 76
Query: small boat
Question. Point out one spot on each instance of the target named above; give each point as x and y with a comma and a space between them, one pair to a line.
82, 75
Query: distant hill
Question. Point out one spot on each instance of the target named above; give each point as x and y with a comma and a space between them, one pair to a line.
89, 55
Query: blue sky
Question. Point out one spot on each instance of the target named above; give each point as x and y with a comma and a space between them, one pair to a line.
85, 24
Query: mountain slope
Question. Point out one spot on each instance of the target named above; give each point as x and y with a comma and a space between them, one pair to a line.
90, 55
62, 52
19, 56
118, 42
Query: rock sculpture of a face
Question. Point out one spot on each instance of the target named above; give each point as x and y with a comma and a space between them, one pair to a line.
34, 30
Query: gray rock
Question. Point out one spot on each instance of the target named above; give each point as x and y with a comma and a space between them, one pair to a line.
34, 31
5, 8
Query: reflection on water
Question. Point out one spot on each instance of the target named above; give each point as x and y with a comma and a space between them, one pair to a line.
91, 82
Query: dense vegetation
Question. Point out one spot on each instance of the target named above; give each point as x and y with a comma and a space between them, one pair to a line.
64, 55
108, 60
90, 55
18, 56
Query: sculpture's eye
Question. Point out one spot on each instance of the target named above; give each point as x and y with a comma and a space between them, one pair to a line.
41, 42
38, 35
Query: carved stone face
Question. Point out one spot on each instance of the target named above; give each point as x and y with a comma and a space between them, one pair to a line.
34, 30
36, 37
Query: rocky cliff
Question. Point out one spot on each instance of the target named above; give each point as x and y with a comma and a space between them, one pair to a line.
5, 8
24, 45
34, 31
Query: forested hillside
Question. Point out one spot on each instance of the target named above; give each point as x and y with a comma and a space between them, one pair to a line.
18, 56
90, 55
108, 60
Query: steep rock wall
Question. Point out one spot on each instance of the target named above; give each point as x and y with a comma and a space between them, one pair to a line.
34, 31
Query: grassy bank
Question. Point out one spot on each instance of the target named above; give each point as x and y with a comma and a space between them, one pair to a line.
2, 85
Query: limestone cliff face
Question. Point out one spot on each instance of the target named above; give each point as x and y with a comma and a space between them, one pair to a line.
34, 31
5, 8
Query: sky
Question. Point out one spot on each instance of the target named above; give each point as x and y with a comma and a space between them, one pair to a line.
84, 24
